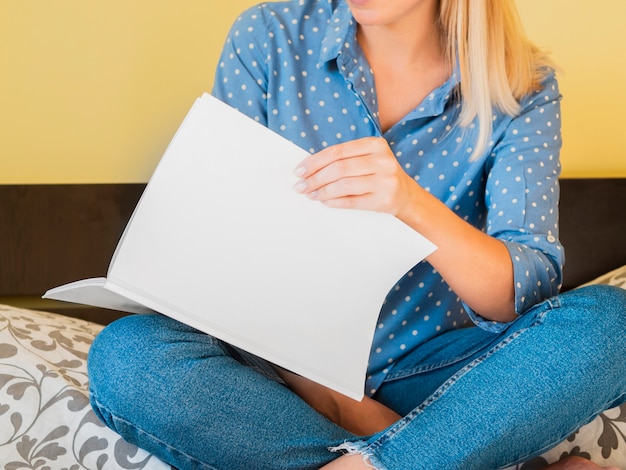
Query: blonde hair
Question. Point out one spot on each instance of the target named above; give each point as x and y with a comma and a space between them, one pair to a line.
498, 64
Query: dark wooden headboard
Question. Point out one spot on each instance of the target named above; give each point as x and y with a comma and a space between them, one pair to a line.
592, 218
54, 234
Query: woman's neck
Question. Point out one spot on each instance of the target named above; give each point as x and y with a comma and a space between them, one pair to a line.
413, 38
408, 62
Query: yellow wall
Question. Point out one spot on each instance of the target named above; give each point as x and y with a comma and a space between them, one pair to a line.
91, 91
587, 41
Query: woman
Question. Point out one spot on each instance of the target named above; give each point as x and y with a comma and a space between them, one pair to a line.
443, 114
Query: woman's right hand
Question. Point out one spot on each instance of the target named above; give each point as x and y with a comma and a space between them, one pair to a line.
359, 174
365, 174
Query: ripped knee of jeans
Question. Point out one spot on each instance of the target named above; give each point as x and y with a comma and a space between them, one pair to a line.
359, 448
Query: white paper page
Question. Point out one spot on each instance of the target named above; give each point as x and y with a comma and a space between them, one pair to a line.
94, 292
220, 240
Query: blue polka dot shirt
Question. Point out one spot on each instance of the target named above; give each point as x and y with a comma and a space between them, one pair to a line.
297, 68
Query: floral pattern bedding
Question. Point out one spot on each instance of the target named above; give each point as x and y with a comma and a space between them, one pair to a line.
46, 422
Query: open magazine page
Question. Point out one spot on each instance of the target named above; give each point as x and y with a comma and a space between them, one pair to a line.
97, 293
221, 241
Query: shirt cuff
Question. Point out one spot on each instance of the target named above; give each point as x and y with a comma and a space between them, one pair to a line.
535, 278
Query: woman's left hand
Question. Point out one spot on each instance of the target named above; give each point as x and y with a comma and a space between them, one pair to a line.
359, 174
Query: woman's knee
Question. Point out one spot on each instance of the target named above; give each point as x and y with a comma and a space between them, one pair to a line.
596, 318
122, 343
116, 352
138, 350
601, 304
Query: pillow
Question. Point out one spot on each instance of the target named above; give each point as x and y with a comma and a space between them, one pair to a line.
617, 277
45, 418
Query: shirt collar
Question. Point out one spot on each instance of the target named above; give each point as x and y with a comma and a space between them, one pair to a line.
340, 33
435, 103
340, 40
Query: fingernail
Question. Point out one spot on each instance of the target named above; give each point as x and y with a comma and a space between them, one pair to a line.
300, 186
299, 171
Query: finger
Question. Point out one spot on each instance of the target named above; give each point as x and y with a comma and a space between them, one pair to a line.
363, 202
335, 173
354, 148
344, 187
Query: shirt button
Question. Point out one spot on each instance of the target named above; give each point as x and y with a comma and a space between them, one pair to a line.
551, 238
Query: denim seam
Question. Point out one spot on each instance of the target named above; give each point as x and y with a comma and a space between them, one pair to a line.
427, 368
156, 439
398, 375
388, 434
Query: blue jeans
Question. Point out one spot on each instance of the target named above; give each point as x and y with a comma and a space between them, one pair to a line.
471, 399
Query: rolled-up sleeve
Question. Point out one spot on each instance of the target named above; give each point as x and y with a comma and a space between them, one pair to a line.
522, 195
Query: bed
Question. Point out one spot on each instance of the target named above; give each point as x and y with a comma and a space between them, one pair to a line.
53, 234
